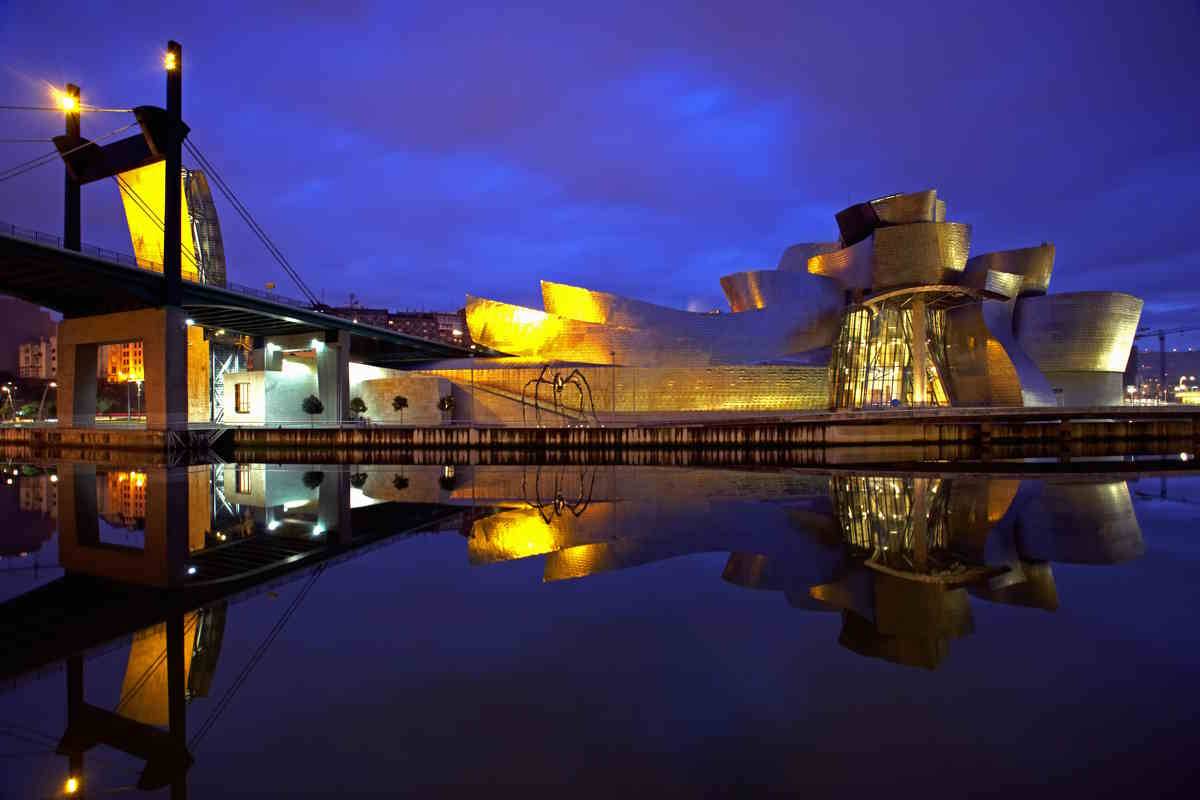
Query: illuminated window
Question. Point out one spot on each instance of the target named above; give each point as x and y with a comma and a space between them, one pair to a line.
241, 398
242, 475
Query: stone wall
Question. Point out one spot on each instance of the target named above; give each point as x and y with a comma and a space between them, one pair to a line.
640, 390
422, 391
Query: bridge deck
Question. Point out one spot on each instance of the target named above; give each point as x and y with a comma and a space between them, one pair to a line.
35, 267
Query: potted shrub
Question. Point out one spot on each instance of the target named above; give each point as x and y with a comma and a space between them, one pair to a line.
313, 406
358, 407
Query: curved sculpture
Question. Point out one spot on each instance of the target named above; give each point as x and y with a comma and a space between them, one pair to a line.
1033, 264
758, 289
988, 367
1078, 331
850, 266
1080, 522
902, 255
922, 253
858, 221
795, 258
660, 337
206, 228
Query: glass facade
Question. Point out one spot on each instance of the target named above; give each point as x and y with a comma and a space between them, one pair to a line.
881, 347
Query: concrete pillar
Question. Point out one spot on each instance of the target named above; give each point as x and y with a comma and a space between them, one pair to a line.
163, 334
162, 560
333, 376
77, 365
333, 506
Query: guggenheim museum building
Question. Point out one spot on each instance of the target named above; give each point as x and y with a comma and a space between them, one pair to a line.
894, 313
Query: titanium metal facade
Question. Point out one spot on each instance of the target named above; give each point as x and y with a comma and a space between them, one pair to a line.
895, 309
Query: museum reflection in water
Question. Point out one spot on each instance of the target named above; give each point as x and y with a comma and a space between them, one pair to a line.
898, 556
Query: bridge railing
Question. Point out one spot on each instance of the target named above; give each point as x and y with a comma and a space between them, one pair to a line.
127, 260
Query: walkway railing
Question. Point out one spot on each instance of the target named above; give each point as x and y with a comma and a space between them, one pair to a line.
130, 261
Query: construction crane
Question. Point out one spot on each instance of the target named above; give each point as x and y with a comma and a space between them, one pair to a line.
1162, 334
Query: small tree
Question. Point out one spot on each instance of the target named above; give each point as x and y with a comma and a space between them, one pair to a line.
399, 403
313, 478
312, 405
358, 407
400, 482
358, 480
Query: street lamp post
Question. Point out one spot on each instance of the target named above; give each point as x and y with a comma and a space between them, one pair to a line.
42, 405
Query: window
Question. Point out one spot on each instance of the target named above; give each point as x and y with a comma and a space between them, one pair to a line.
242, 476
241, 398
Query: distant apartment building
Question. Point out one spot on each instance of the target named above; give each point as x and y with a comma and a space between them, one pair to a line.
121, 363
21, 322
121, 499
445, 326
38, 358
39, 493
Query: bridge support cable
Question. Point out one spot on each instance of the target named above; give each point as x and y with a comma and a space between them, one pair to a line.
250, 221
149, 211
255, 658
54, 155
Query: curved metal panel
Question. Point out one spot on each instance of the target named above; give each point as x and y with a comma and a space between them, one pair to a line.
758, 289
1078, 331
1033, 264
643, 334
1004, 284
1088, 388
908, 255
206, 228
901, 209
1080, 522
850, 266
988, 367
795, 258
858, 221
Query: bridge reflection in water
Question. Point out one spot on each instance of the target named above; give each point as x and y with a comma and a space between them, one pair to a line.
898, 556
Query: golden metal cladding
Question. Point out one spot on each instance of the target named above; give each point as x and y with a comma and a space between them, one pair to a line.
758, 289
988, 367
795, 258
850, 266
1033, 264
636, 333
921, 253
902, 255
143, 194
901, 209
1078, 331
858, 221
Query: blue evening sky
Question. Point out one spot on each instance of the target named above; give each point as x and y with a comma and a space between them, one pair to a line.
413, 152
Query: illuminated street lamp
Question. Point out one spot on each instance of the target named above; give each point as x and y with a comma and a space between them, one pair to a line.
42, 405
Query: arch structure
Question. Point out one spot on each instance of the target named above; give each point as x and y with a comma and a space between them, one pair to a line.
896, 310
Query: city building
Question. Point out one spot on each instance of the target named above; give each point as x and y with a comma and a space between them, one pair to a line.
1182, 368
21, 322
37, 359
122, 363
445, 326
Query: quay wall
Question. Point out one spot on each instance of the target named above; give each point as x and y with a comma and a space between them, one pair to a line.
977, 427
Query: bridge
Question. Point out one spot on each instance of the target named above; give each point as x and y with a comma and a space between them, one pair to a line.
172, 296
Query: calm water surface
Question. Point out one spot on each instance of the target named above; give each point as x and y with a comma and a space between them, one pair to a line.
335, 631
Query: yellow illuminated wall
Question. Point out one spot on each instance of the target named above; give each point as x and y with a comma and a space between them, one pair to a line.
144, 689
143, 193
